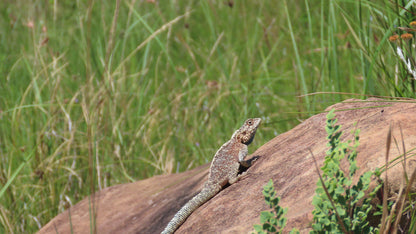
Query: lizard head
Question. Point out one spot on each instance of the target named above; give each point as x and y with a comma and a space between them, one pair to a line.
247, 132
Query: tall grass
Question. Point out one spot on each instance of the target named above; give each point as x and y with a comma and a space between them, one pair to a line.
98, 93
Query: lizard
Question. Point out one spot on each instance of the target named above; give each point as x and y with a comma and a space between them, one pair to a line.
224, 170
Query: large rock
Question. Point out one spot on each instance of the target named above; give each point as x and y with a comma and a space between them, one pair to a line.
147, 206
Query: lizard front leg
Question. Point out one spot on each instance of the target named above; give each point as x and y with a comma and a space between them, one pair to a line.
247, 163
242, 154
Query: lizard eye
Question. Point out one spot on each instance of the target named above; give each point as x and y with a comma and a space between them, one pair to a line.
250, 122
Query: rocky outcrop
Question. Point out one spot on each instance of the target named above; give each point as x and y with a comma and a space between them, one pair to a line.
147, 206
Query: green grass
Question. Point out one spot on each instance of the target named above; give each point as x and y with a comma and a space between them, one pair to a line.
95, 93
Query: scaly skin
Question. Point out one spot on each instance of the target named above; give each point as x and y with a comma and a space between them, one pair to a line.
223, 170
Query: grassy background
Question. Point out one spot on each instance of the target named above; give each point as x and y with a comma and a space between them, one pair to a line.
97, 93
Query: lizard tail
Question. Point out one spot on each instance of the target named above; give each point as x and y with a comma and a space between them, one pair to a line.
199, 199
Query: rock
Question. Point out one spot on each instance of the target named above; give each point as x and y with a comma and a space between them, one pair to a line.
147, 206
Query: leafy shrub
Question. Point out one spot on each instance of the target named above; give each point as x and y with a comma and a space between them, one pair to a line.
340, 205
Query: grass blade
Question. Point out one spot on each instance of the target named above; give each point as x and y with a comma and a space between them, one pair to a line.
15, 173
298, 60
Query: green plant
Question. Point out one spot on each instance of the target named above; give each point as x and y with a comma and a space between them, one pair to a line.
272, 221
340, 205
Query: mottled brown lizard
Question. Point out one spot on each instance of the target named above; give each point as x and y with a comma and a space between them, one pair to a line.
223, 170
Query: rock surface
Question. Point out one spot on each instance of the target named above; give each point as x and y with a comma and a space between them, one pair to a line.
147, 206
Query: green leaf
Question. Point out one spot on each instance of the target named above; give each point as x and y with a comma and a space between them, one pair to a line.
294, 231
265, 216
258, 228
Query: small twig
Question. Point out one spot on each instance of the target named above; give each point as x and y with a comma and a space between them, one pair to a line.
404, 155
385, 226
402, 196
399, 207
